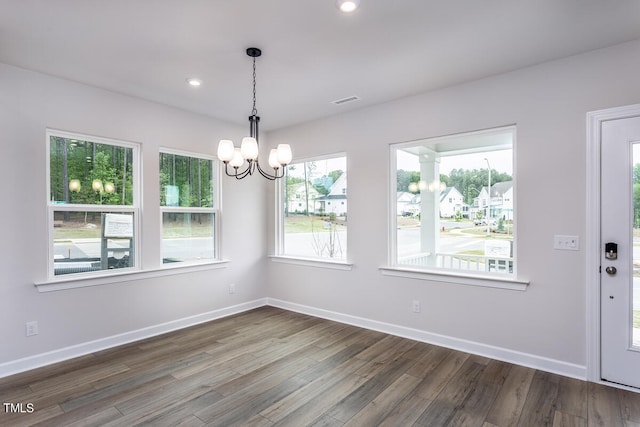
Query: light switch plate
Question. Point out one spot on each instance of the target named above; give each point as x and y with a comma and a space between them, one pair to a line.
566, 243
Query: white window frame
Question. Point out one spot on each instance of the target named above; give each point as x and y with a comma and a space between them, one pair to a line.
215, 210
134, 208
458, 276
280, 256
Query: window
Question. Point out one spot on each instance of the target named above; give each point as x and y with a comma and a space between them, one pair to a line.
188, 203
454, 206
317, 226
93, 207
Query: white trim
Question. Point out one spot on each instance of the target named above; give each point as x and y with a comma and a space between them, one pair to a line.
498, 353
392, 205
81, 280
279, 212
592, 244
455, 277
430, 144
311, 262
135, 208
59, 355
185, 153
216, 189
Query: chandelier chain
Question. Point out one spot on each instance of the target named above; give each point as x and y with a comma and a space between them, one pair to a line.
254, 111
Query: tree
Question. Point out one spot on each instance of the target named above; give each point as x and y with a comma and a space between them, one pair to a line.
636, 195
404, 178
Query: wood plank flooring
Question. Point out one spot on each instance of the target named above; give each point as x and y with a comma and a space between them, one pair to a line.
271, 367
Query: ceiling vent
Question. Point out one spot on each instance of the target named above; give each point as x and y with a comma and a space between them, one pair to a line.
345, 100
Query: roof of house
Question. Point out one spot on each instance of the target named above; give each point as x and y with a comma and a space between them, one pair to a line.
448, 190
499, 188
333, 197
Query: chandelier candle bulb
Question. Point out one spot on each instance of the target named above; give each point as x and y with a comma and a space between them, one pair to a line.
97, 185
237, 159
284, 154
225, 150
74, 185
273, 159
249, 148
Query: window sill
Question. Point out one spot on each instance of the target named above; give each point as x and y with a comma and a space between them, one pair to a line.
500, 282
313, 262
81, 281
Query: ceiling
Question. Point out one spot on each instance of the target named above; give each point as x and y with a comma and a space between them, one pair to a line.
312, 53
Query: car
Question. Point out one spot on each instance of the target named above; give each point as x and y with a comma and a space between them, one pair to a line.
491, 221
485, 221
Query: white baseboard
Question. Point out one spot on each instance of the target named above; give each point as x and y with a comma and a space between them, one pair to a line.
498, 353
43, 359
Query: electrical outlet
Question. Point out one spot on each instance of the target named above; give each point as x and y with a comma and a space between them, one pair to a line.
416, 306
232, 288
31, 328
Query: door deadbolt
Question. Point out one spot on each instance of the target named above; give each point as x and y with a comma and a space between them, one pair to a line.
611, 250
611, 270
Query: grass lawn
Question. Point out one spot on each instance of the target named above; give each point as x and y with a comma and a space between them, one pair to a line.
307, 224
73, 232
172, 229
636, 318
176, 231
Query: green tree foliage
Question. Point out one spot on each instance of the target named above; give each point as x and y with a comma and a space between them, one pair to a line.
467, 182
470, 182
75, 166
335, 174
636, 195
306, 173
404, 178
189, 179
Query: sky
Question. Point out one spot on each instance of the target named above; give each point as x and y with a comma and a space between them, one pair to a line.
322, 167
501, 161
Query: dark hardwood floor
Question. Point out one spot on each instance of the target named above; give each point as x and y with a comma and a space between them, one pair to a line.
271, 367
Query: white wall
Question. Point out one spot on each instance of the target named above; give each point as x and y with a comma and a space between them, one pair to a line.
548, 103
31, 102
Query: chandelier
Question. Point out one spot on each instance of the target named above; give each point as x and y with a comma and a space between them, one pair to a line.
248, 152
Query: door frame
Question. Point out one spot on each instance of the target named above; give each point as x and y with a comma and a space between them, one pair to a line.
592, 247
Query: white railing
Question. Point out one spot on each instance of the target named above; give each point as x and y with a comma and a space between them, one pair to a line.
460, 262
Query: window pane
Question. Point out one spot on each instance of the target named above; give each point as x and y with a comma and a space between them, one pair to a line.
187, 236
92, 241
455, 203
85, 172
315, 209
186, 181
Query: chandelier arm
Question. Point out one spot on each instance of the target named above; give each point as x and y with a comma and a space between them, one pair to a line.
272, 177
267, 175
248, 171
243, 174
236, 174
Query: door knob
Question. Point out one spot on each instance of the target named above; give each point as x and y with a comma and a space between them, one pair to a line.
611, 270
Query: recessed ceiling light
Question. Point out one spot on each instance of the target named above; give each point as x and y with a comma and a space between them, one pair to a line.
194, 82
347, 6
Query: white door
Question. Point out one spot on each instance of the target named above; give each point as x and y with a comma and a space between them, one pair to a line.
620, 251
